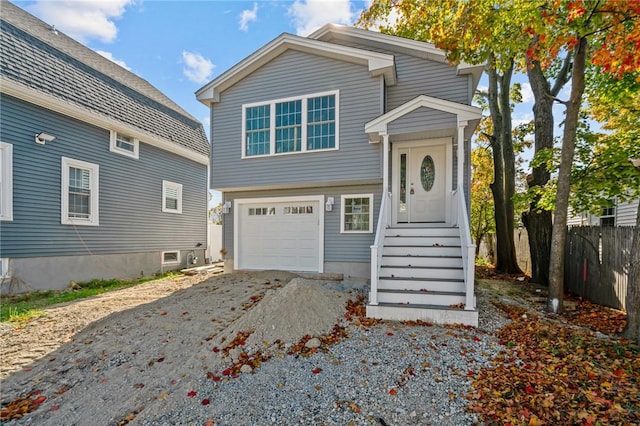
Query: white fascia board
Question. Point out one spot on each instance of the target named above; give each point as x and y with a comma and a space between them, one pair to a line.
69, 109
378, 126
411, 47
377, 63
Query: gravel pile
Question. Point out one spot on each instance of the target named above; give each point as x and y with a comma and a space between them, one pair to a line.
386, 374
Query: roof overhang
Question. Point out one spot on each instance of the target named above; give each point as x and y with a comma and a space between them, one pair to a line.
379, 64
407, 46
465, 114
28, 94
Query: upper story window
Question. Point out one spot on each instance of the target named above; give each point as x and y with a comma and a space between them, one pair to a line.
292, 125
79, 192
171, 197
6, 181
123, 144
608, 216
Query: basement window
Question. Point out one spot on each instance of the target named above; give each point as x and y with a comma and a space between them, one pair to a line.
170, 257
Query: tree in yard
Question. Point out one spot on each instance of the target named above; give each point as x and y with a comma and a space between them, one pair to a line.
215, 214
474, 32
481, 218
607, 31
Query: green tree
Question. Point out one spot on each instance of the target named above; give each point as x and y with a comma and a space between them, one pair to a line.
482, 219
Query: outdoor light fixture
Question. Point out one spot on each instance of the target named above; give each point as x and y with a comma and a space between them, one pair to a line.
226, 207
328, 206
42, 138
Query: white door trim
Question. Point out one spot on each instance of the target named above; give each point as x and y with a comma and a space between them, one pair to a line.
395, 184
236, 217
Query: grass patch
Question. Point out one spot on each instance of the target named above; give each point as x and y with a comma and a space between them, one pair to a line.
23, 307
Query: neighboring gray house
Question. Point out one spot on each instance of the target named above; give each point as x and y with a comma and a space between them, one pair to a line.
101, 174
348, 152
620, 214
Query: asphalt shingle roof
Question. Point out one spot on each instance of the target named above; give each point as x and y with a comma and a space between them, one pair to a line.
55, 64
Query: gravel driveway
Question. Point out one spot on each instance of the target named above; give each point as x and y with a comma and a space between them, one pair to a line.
154, 363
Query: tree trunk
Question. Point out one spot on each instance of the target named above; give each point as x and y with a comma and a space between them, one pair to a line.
536, 221
559, 235
503, 185
632, 329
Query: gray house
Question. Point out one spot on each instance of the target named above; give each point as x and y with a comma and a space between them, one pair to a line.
348, 152
101, 174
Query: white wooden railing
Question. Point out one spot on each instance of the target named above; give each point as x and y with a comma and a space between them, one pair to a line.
376, 248
468, 248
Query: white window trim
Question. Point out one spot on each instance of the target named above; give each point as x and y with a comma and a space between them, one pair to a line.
175, 262
4, 268
113, 147
6, 168
343, 197
165, 185
272, 125
94, 216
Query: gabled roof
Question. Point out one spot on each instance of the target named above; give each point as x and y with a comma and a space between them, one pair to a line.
464, 113
420, 49
37, 63
377, 63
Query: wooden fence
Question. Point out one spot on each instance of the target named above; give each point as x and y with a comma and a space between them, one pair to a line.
597, 261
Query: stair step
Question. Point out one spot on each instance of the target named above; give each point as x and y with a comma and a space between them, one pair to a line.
439, 231
428, 313
420, 251
409, 271
441, 261
421, 284
409, 297
429, 241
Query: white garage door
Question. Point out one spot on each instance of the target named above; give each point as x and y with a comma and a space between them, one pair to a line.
279, 235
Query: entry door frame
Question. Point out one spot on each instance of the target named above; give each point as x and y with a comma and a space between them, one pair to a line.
238, 202
395, 176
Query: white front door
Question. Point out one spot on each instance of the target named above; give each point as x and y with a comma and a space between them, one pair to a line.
421, 184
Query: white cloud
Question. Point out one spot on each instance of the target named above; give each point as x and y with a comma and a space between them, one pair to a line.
519, 119
248, 15
82, 20
527, 93
110, 57
309, 15
197, 68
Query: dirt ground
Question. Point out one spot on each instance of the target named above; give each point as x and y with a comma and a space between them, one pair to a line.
105, 342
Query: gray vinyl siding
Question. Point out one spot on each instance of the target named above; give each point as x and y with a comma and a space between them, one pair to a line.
130, 191
417, 76
422, 119
337, 247
297, 74
626, 213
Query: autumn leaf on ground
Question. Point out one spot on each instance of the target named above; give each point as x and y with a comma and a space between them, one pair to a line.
191, 394
317, 370
205, 401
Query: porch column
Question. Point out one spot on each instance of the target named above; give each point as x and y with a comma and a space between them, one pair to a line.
385, 162
385, 176
460, 154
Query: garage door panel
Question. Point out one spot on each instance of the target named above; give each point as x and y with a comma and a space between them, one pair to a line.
281, 235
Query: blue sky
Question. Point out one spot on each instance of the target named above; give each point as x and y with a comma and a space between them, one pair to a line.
178, 46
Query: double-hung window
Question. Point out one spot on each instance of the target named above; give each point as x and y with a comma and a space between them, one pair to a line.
171, 197
79, 192
6, 181
292, 125
357, 213
123, 144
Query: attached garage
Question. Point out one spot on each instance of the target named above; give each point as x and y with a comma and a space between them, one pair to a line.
279, 233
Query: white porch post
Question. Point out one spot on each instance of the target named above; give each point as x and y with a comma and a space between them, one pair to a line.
385, 174
460, 154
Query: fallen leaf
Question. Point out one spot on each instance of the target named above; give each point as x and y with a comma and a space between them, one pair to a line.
393, 392
205, 401
191, 394
317, 370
